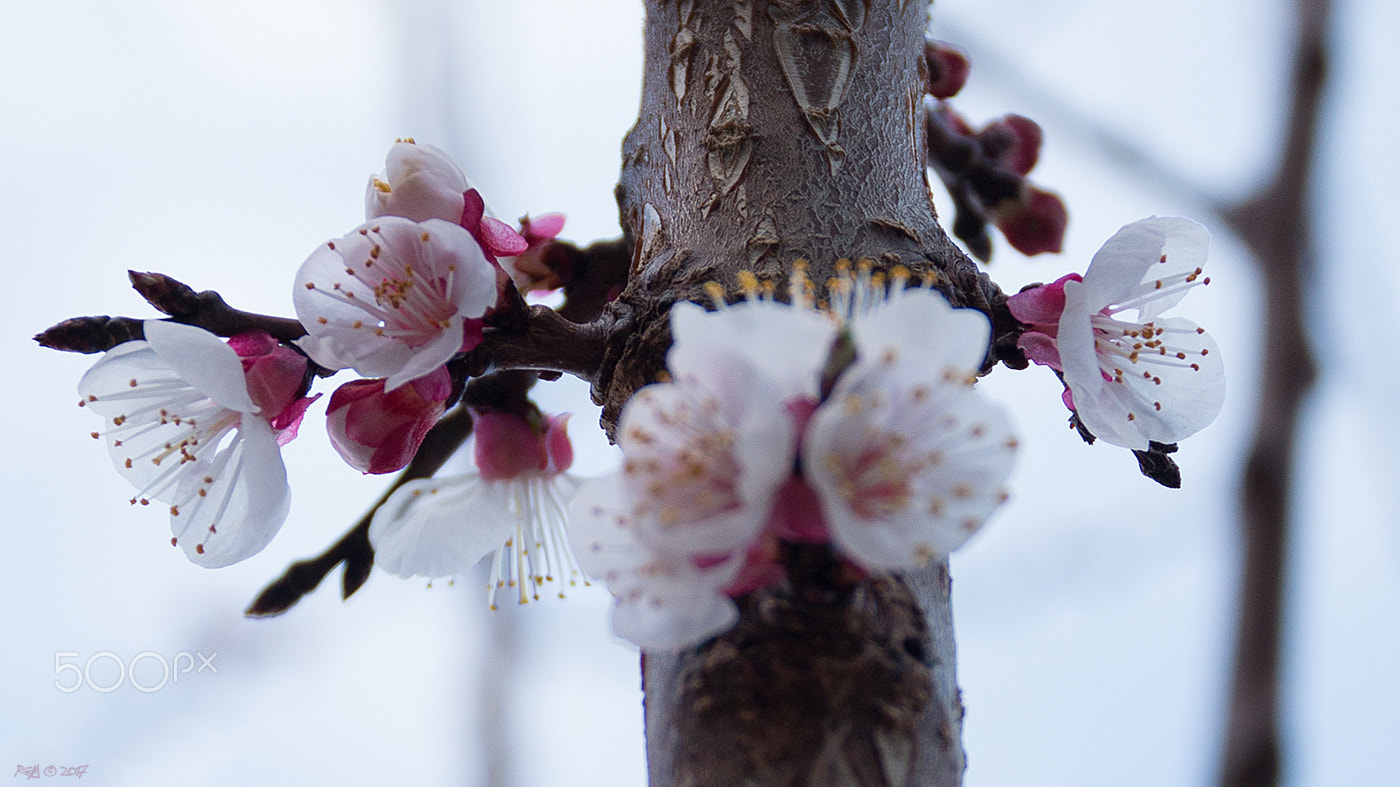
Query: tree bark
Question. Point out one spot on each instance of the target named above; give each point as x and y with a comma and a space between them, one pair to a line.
772, 133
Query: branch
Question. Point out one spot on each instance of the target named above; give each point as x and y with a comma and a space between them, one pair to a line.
592, 276
205, 310
547, 341
1276, 226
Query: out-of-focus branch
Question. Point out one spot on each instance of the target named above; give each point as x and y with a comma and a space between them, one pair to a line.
592, 275
1276, 225
353, 549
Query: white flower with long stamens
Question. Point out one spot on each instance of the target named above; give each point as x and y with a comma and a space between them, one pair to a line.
740, 452
1139, 377
394, 299
513, 509
185, 431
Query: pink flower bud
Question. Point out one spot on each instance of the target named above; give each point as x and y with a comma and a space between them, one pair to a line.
948, 68
1035, 223
1013, 140
378, 432
531, 270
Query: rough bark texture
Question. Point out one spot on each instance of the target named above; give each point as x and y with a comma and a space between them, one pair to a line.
769, 133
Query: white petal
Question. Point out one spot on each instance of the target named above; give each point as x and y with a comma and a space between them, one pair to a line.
702, 466
1168, 398
671, 611
1130, 262
151, 414
790, 345
1119, 267
920, 329
906, 471
1078, 356
244, 506
426, 359
663, 603
1186, 246
424, 183
442, 526
203, 360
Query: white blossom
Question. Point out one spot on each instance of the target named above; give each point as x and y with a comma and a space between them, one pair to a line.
906, 460
394, 299
419, 182
1145, 377
183, 429
515, 509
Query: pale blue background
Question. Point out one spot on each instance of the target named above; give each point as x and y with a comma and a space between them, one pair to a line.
221, 142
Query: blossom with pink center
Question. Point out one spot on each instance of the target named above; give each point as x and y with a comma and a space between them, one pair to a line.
394, 299
196, 423
1132, 380
899, 464
377, 431
513, 507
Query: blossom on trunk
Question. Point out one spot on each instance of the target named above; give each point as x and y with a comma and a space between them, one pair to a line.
750, 445
196, 423
394, 299
513, 507
377, 431
1131, 380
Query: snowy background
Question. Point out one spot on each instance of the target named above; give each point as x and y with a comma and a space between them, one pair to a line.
220, 143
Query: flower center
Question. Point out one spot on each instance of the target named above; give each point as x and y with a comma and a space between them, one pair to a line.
409, 306
694, 482
1146, 345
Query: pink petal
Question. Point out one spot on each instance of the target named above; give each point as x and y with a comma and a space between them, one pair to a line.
500, 238
558, 445
1041, 305
288, 421
538, 229
1041, 349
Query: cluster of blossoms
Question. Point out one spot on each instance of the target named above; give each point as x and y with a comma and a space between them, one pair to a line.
198, 423
849, 425
855, 426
